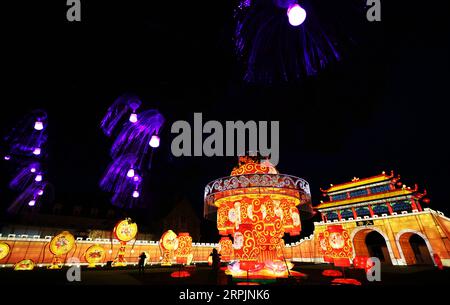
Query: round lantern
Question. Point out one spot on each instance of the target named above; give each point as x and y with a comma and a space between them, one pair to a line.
60, 245
124, 231
94, 255
4, 250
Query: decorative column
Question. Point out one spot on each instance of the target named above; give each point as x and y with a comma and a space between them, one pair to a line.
419, 207
339, 215
354, 213
389, 208
413, 204
370, 210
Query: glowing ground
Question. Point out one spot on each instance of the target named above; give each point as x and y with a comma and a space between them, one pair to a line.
201, 275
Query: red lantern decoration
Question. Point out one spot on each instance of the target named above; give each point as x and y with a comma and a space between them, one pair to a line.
226, 249
338, 245
184, 250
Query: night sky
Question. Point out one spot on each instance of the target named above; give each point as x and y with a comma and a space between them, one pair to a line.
383, 107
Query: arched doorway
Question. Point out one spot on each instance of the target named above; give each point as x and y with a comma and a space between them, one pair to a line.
372, 244
415, 250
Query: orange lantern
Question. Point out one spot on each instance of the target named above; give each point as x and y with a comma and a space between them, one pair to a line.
184, 250
168, 243
24, 265
94, 255
226, 249
124, 231
257, 206
338, 245
323, 249
4, 250
60, 245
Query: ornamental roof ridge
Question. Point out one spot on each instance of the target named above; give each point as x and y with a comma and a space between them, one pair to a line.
357, 182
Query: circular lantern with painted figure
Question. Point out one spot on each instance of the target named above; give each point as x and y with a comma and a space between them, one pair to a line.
95, 255
256, 205
60, 245
168, 243
4, 250
24, 265
124, 231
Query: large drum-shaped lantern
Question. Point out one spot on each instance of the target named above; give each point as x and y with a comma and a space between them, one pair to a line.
256, 206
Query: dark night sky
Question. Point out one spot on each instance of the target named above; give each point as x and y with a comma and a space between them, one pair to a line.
382, 107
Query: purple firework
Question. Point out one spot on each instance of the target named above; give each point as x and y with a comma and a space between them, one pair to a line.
134, 137
25, 176
123, 177
33, 193
28, 135
116, 176
121, 106
279, 45
120, 182
26, 145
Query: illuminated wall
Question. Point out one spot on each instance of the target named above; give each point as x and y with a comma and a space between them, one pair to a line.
431, 225
38, 251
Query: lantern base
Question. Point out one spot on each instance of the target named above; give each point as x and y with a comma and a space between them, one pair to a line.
178, 274
119, 264
346, 281
332, 273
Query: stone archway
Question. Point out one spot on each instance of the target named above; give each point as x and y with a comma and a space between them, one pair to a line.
414, 248
372, 242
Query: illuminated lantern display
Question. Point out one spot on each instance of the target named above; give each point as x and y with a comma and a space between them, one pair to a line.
60, 245
94, 255
168, 243
4, 250
226, 249
323, 249
256, 206
124, 231
338, 245
184, 250
24, 265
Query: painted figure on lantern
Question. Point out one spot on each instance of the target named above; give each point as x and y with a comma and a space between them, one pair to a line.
226, 249
169, 244
256, 206
60, 245
124, 231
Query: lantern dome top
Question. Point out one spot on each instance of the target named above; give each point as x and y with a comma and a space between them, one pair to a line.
253, 165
